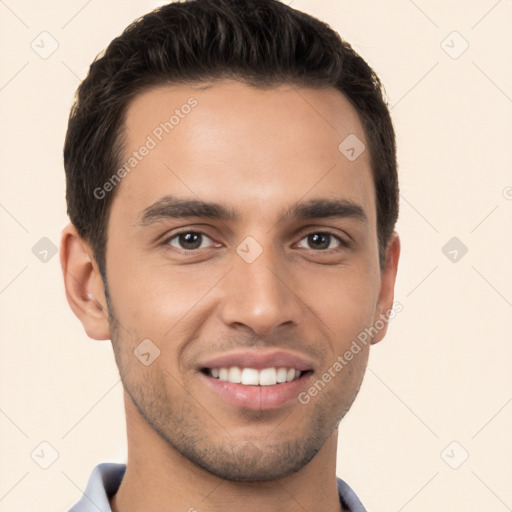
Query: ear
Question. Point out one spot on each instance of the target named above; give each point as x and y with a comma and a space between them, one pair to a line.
84, 287
387, 286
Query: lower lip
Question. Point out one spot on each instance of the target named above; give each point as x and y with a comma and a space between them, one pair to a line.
257, 398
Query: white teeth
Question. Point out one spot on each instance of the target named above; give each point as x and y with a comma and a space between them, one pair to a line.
235, 375
281, 375
253, 377
268, 377
249, 376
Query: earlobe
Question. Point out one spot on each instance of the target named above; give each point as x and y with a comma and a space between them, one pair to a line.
387, 287
83, 283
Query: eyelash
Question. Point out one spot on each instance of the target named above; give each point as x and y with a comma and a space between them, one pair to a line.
343, 244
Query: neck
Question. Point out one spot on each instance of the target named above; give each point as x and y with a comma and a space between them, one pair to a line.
159, 478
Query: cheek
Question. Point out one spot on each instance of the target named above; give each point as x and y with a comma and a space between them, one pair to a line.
153, 300
345, 301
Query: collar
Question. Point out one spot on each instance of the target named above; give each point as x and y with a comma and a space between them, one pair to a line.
106, 479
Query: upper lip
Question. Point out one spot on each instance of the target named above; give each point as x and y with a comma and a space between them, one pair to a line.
258, 360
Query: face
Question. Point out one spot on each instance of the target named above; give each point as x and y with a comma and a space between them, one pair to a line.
243, 238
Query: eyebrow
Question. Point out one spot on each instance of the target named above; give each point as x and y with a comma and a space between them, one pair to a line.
171, 207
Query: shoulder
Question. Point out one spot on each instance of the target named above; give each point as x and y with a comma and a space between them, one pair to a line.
103, 483
348, 497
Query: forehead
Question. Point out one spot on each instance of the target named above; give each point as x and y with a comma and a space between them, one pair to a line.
233, 143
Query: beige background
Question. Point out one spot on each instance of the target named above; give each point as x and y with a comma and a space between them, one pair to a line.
442, 374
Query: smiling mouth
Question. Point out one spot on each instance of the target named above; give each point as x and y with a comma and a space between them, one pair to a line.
254, 377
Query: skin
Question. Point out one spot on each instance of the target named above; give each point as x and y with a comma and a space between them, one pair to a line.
257, 152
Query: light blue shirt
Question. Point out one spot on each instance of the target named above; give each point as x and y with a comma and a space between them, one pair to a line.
106, 479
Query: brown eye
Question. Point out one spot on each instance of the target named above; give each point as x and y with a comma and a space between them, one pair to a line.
188, 240
322, 241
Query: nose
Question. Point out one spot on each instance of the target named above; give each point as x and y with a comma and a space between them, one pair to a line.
261, 295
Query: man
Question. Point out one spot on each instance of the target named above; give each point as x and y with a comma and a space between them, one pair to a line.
232, 191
